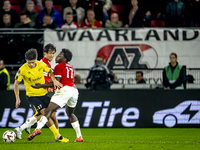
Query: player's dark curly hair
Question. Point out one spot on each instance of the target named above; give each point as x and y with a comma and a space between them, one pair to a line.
31, 54
49, 47
67, 54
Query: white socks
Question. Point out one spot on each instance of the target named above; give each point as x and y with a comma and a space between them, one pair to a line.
43, 120
76, 127
31, 121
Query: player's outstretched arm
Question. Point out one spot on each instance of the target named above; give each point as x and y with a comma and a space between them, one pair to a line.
55, 82
46, 85
16, 91
38, 85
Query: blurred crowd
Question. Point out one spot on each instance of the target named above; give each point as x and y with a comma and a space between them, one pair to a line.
72, 14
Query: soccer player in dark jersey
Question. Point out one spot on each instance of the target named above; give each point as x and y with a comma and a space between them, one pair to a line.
32, 72
66, 96
49, 53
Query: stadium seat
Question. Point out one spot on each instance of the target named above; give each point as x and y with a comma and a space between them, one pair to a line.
119, 9
17, 1
58, 8
184, 23
38, 8
36, 1
17, 8
157, 23
115, 2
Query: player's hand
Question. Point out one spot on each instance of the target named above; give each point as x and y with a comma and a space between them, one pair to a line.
57, 84
17, 103
50, 90
36, 86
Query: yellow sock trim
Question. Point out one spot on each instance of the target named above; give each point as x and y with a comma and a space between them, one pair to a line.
54, 130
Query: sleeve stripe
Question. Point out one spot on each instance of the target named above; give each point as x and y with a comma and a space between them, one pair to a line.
58, 76
45, 74
16, 77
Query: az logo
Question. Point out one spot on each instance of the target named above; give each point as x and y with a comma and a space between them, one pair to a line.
138, 56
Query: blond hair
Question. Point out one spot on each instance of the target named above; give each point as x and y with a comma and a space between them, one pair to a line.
6, 15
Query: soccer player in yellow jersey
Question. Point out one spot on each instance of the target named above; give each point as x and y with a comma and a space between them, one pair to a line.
49, 52
32, 72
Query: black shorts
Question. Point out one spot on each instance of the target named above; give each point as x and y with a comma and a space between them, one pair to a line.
38, 103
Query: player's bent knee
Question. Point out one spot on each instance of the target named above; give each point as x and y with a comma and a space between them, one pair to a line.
48, 113
53, 115
69, 115
38, 117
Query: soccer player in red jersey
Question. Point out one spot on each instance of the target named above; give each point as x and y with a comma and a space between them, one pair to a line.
66, 96
49, 53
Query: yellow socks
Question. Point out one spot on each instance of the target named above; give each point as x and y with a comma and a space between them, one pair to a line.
54, 130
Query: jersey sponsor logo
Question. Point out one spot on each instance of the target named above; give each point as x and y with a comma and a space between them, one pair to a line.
36, 79
39, 68
30, 79
129, 56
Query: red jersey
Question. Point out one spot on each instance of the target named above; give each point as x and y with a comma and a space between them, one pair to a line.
66, 72
73, 25
46, 75
94, 23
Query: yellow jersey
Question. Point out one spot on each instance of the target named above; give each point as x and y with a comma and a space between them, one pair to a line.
31, 76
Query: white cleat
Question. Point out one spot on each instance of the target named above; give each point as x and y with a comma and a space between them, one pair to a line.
18, 133
28, 130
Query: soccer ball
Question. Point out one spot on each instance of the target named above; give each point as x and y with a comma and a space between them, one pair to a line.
9, 136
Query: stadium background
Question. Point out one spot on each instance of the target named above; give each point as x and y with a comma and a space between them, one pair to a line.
126, 51
126, 104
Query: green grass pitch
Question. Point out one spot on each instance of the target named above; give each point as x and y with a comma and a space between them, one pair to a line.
110, 139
